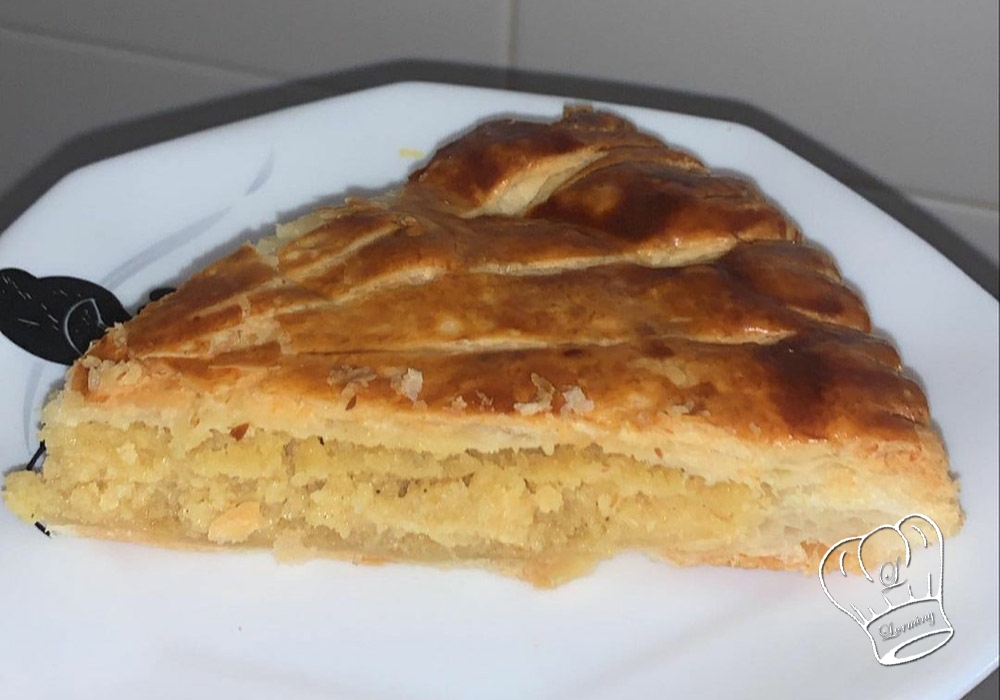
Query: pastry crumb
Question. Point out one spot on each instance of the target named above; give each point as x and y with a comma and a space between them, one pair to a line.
543, 398
576, 402
409, 384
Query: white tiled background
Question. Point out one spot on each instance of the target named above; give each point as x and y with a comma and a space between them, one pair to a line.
897, 98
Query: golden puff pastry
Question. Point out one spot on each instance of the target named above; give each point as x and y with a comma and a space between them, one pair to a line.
557, 342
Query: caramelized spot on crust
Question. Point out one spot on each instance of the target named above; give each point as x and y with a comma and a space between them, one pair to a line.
642, 201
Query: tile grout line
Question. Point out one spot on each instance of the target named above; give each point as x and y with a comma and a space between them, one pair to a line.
924, 196
512, 23
978, 205
132, 52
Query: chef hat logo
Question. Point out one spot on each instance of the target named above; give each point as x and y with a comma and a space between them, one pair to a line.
898, 603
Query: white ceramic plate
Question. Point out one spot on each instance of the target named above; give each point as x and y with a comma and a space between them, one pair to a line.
89, 619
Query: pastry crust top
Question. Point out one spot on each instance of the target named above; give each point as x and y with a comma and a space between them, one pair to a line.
532, 284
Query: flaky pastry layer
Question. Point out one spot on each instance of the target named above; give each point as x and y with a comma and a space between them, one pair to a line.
544, 517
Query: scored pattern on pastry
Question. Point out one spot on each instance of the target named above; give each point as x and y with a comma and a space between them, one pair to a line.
586, 244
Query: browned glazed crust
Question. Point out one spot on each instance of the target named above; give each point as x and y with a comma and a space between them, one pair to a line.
765, 328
